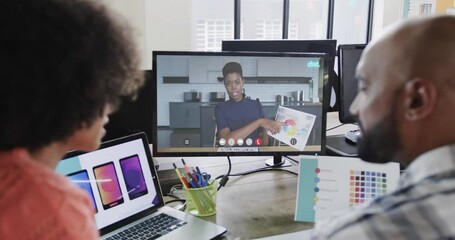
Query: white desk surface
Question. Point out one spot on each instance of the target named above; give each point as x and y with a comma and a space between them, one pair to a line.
300, 235
255, 205
259, 205
332, 121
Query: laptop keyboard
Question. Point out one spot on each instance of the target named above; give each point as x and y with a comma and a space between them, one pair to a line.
151, 228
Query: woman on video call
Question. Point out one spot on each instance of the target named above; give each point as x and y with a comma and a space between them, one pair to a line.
240, 121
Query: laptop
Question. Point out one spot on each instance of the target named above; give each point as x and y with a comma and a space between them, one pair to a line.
125, 193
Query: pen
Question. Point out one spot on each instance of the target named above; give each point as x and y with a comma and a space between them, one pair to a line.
185, 182
189, 180
194, 180
202, 180
177, 171
186, 167
198, 179
181, 177
198, 170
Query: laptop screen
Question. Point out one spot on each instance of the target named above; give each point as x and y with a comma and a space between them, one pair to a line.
119, 178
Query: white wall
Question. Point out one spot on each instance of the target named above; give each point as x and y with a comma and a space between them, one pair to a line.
168, 26
133, 11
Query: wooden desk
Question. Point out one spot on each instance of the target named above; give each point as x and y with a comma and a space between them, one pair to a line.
256, 205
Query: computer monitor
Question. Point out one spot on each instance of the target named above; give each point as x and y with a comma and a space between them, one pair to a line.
349, 56
327, 46
190, 85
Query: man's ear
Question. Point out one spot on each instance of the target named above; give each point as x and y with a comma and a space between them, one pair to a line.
420, 99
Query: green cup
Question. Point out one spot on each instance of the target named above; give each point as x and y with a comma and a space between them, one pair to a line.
202, 201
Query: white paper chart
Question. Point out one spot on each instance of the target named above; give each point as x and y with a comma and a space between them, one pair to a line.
418, 7
296, 127
331, 184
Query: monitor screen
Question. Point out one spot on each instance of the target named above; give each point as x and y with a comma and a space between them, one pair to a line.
327, 46
349, 56
194, 106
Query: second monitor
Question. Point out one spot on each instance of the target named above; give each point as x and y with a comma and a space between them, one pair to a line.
349, 56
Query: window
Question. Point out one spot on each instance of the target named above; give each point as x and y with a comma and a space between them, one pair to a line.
212, 21
261, 19
350, 21
201, 25
308, 19
293, 30
210, 33
269, 29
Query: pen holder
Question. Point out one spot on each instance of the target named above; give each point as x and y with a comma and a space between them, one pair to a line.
202, 201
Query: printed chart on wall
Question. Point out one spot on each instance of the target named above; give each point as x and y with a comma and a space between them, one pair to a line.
330, 184
296, 127
413, 8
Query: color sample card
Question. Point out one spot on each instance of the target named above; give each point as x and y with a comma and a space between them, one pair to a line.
327, 185
366, 185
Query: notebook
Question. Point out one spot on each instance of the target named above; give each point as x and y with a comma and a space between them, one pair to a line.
124, 189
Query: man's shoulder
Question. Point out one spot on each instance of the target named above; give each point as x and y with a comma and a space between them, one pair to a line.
394, 214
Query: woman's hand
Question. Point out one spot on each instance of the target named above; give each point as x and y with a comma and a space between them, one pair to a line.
270, 125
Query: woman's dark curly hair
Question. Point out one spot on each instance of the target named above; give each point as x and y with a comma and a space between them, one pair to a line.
61, 62
232, 67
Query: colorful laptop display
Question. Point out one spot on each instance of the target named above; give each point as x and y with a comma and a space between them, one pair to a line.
124, 189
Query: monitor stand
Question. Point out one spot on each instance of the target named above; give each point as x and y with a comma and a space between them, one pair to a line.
277, 161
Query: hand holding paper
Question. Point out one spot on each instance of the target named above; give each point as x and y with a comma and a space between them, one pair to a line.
295, 127
273, 126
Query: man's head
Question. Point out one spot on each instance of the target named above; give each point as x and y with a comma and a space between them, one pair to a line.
407, 90
62, 63
233, 80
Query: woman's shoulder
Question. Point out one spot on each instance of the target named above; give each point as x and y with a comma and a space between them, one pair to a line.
248, 102
222, 105
34, 176
253, 102
52, 198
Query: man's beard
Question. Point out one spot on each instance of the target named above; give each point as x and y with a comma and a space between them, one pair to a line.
382, 142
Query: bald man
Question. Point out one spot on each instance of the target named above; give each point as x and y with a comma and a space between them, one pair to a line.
405, 107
